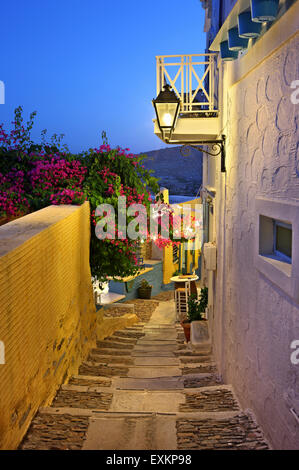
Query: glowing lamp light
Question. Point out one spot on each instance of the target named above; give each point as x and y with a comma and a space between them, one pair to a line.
247, 27
166, 119
167, 106
235, 42
264, 10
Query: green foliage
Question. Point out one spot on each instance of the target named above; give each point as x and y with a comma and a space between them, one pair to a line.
34, 175
197, 307
176, 272
144, 284
194, 309
113, 173
203, 298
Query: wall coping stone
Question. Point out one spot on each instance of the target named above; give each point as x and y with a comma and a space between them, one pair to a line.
17, 232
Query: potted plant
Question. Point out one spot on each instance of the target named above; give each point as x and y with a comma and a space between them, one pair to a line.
196, 308
144, 290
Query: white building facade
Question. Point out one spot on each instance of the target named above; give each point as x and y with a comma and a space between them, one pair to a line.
254, 292
254, 216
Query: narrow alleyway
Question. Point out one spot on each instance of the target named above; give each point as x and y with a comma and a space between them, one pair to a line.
143, 388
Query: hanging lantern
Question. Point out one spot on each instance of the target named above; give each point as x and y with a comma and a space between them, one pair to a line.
235, 43
167, 106
264, 10
247, 27
225, 53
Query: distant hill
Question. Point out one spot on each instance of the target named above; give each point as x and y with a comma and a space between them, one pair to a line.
181, 175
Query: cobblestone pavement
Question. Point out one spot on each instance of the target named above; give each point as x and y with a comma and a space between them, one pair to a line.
144, 388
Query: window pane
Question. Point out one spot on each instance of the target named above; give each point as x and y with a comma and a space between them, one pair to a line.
284, 240
175, 254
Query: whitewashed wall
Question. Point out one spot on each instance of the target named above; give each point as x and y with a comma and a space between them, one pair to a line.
254, 322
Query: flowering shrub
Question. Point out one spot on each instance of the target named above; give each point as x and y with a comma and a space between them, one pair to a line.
13, 201
68, 196
113, 173
32, 176
57, 172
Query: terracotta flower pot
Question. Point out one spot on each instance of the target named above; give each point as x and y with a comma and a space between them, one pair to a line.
186, 327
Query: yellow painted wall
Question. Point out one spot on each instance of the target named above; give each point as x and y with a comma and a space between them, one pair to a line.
47, 312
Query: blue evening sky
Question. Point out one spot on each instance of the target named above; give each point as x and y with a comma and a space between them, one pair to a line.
89, 65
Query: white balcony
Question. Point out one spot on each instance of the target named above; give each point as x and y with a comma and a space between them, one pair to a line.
193, 79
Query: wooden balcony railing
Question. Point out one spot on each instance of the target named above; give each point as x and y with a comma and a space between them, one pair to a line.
193, 79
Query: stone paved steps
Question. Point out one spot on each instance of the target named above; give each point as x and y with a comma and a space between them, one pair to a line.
83, 399
129, 335
134, 362
112, 352
147, 401
100, 370
156, 342
161, 383
185, 352
90, 380
200, 369
143, 388
154, 371
137, 326
141, 432
238, 432
194, 359
156, 361
114, 345
210, 399
142, 353
54, 432
198, 415
87, 388
88, 429
111, 360
122, 339
201, 380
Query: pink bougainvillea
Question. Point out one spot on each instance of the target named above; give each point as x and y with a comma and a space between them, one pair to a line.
32, 176
68, 196
13, 201
48, 175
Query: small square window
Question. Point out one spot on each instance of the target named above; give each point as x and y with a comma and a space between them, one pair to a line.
275, 239
283, 240
175, 255
277, 254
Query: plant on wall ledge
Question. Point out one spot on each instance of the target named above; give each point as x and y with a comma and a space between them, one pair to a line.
196, 307
33, 176
113, 173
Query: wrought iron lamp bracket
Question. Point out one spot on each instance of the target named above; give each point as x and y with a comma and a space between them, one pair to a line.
216, 147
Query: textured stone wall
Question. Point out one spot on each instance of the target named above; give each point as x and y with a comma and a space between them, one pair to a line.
254, 322
47, 313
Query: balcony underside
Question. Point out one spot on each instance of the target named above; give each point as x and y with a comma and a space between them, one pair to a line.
189, 129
